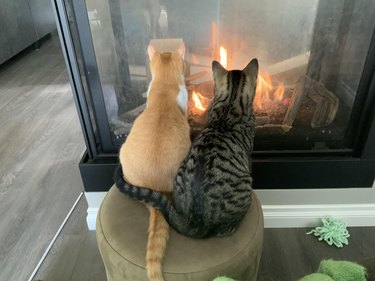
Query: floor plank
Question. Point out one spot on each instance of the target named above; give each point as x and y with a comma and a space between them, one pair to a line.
40, 146
289, 254
75, 254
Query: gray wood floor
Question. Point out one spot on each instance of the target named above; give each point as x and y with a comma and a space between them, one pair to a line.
40, 146
288, 254
74, 255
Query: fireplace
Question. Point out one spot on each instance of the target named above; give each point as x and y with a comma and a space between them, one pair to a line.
315, 99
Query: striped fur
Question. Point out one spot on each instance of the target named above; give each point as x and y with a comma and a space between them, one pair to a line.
212, 189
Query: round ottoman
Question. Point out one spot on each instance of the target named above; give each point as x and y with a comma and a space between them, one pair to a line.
121, 231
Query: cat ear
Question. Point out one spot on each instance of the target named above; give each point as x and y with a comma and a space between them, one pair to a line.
251, 69
152, 51
181, 51
218, 70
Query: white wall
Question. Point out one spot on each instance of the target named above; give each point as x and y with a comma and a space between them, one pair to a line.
305, 207
295, 208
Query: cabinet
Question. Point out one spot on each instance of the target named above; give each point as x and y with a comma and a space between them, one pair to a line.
23, 22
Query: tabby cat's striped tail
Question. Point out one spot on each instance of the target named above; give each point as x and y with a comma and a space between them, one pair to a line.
157, 200
146, 195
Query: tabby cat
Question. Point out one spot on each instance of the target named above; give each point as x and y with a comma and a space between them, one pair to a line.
157, 144
213, 187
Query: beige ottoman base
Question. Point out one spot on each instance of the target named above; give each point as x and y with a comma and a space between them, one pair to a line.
122, 237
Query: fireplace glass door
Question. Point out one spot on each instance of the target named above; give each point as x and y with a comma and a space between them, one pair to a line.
312, 55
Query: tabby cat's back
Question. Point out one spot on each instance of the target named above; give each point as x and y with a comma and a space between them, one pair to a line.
212, 198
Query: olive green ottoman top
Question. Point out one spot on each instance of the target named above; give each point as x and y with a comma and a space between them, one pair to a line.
122, 237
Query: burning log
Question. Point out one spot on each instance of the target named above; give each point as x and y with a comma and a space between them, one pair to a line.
199, 99
289, 69
273, 127
326, 103
298, 95
206, 89
262, 120
197, 108
270, 97
196, 76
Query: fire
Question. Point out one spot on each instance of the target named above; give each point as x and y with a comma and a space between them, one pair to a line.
197, 101
279, 93
223, 57
264, 84
264, 89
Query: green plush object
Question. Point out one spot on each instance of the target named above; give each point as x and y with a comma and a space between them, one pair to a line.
316, 277
333, 231
223, 278
342, 270
330, 270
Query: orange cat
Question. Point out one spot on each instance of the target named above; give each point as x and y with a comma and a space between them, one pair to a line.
158, 142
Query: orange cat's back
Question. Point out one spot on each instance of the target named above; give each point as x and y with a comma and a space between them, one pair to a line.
156, 146
159, 139
158, 142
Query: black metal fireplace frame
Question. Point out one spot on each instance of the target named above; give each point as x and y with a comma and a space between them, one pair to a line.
271, 169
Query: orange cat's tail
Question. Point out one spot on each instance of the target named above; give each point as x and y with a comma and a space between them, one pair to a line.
158, 234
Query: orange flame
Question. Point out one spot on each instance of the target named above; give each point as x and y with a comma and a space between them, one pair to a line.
197, 101
264, 84
264, 89
223, 57
279, 93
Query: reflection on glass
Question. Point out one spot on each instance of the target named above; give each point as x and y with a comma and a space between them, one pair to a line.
311, 56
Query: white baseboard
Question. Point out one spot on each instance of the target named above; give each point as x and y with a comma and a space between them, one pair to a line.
91, 218
281, 216
94, 200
